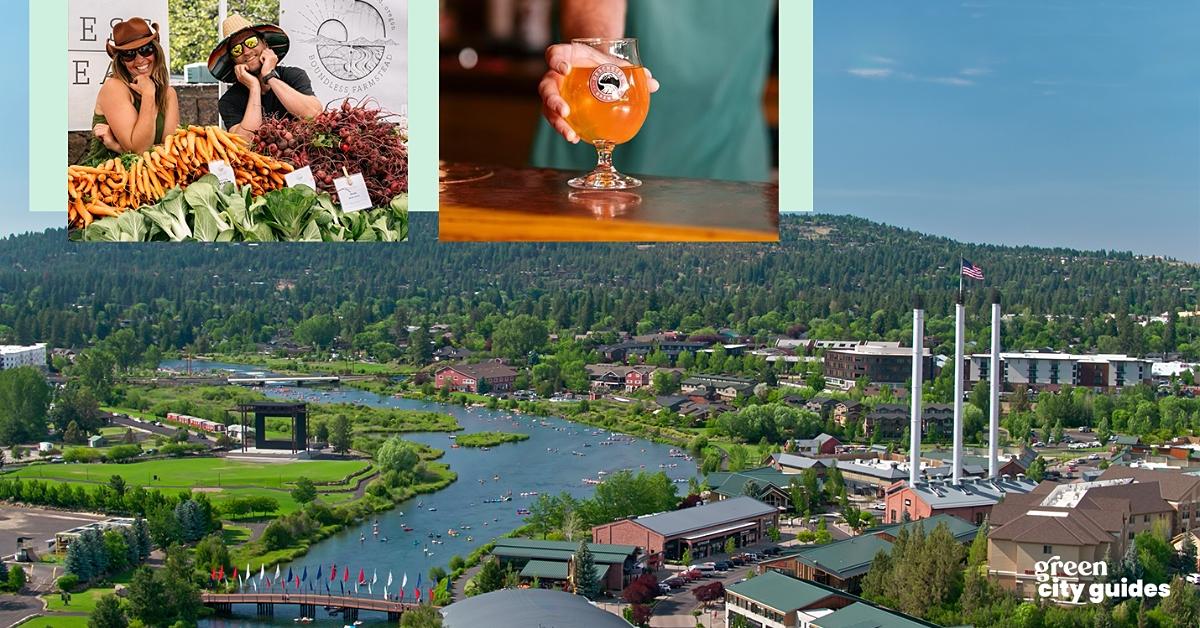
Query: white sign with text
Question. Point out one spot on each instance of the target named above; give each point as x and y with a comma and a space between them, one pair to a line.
302, 176
352, 193
89, 26
350, 48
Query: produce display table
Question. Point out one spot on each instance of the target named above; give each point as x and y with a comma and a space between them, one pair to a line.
497, 204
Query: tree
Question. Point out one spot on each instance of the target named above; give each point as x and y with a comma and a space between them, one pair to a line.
420, 350
340, 438
397, 454
490, 577
319, 331
93, 372
518, 336
421, 617
687, 556
192, 32
24, 402
141, 532
583, 569
709, 592
116, 551
212, 554
76, 405
322, 432
641, 614
305, 491
108, 613
117, 484
730, 545
1037, 469
164, 596
73, 435
192, 523
642, 590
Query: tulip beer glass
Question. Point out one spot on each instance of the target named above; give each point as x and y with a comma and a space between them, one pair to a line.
608, 95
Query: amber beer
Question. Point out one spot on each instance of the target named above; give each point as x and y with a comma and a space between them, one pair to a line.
608, 94
603, 109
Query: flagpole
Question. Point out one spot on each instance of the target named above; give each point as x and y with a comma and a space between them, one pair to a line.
960, 277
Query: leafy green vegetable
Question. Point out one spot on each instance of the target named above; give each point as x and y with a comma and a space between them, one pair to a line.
209, 211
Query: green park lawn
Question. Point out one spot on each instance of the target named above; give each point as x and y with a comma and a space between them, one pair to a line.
198, 472
57, 621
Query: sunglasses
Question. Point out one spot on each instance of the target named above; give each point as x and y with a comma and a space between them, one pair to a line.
146, 51
250, 43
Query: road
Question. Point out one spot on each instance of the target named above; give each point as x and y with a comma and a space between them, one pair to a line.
162, 430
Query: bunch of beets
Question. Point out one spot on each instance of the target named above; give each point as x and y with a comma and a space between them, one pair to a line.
350, 138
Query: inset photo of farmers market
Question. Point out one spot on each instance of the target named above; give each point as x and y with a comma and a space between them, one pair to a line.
609, 120
237, 120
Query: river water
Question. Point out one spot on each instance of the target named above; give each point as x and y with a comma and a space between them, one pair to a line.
557, 457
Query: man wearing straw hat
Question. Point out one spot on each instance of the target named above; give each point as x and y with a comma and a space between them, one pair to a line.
249, 57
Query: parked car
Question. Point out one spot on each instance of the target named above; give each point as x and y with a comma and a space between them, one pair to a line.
723, 565
774, 550
675, 582
664, 587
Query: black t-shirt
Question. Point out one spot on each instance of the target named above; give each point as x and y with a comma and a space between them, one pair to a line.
233, 103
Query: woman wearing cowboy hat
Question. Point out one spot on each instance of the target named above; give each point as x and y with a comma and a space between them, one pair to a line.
137, 104
249, 57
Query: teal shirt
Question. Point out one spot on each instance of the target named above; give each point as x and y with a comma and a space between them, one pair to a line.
712, 58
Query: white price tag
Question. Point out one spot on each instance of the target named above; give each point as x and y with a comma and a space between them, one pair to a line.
303, 176
223, 171
352, 193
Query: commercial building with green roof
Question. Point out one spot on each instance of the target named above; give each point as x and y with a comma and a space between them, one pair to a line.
772, 485
616, 565
776, 600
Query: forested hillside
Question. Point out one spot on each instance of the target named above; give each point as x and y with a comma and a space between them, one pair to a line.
831, 276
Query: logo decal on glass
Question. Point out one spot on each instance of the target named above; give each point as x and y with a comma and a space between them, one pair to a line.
608, 83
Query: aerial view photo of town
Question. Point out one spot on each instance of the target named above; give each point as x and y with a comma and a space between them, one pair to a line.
965, 391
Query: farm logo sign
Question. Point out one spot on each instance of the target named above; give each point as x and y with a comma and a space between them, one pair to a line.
351, 48
89, 25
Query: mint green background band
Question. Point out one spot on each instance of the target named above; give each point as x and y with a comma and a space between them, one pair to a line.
48, 106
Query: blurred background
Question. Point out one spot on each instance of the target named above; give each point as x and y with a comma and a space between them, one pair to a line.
492, 58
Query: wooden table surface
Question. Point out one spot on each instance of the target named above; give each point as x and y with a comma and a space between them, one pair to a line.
497, 204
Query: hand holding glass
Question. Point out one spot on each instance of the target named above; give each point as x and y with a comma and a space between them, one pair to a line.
608, 94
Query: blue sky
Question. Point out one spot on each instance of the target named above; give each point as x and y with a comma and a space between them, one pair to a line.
1043, 122
15, 216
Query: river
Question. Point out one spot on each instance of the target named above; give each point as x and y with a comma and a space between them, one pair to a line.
557, 457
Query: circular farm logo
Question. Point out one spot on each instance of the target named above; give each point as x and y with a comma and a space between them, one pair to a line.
608, 83
352, 39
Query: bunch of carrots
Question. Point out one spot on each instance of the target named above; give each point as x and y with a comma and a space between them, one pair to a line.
112, 188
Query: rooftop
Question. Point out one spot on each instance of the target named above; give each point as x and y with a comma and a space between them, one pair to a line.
1174, 485
709, 515
970, 492
962, 530
560, 550
780, 592
522, 608
882, 350
847, 558
862, 615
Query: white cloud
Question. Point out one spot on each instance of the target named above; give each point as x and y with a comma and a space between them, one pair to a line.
870, 73
974, 71
950, 80
881, 60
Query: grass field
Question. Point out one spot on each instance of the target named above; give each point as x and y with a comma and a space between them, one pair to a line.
198, 472
57, 621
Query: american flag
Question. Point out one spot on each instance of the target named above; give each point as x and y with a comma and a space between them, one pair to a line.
971, 270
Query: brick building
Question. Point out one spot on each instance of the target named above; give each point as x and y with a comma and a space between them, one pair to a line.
703, 529
476, 378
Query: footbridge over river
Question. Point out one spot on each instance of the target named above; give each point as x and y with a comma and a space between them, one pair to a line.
348, 606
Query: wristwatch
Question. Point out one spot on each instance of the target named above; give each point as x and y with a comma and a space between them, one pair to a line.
273, 74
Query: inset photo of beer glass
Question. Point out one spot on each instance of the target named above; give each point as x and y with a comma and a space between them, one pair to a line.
568, 120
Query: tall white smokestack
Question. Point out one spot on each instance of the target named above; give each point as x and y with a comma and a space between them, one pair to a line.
959, 315
918, 374
994, 389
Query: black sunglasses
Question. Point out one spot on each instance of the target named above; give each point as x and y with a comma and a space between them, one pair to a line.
146, 51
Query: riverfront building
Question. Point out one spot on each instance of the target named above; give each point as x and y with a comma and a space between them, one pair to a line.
476, 378
16, 356
551, 561
702, 529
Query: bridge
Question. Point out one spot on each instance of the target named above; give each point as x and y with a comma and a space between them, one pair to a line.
284, 379
348, 605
